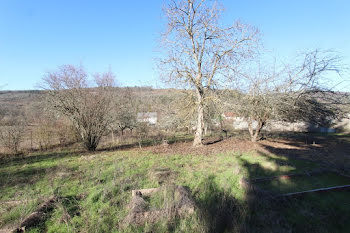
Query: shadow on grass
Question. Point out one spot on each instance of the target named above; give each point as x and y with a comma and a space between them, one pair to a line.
221, 212
330, 150
217, 209
308, 213
36, 158
146, 143
26, 176
28, 170
260, 211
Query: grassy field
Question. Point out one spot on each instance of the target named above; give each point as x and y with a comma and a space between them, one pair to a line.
94, 190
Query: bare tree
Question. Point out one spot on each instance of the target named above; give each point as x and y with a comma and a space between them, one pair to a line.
126, 116
88, 106
291, 93
200, 53
2, 113
2, 110
11, 134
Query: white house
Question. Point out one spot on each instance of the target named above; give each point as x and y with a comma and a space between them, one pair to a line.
147, 117
239, 123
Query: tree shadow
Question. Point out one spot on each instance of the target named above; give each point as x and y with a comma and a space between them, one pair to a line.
331, 151
308, 213
37, 158
26, 176
220, 211
18, 172
151, 141
262, 211
216, 207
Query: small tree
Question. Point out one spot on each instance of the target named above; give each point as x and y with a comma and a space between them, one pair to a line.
11, 134
43, 133
87, 106
142, 132
126, 115
200, 53
65, 132
179, 113
290, 94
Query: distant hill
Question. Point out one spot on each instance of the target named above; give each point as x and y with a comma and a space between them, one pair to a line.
147, 99
20, 103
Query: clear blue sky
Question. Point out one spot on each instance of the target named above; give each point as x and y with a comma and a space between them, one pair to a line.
37, 36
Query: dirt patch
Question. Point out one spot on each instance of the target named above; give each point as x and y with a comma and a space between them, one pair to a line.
331, 151
185, 148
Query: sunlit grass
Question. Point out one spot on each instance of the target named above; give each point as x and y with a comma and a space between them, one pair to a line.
95, 189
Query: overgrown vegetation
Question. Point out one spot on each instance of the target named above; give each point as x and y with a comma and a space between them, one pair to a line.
88, 108
94, 190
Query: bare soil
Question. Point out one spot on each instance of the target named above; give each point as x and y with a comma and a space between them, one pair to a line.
332, 151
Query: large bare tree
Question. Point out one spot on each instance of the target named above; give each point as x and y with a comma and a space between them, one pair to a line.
292, 92
86, 104
200, 53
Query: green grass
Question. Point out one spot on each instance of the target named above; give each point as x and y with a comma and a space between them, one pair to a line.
304, 183
94, 191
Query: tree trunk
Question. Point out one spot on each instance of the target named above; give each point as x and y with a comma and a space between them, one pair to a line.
112, 136
200, 119
255, 134
250, 128
254, 137
31, 140
91, 142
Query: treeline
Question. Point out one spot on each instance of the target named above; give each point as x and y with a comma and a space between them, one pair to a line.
38, 123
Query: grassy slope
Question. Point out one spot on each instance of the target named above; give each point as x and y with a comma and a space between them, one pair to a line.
94, 191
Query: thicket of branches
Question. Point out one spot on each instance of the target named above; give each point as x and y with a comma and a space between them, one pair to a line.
200, 53
291, 93
11, 133
86, 103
